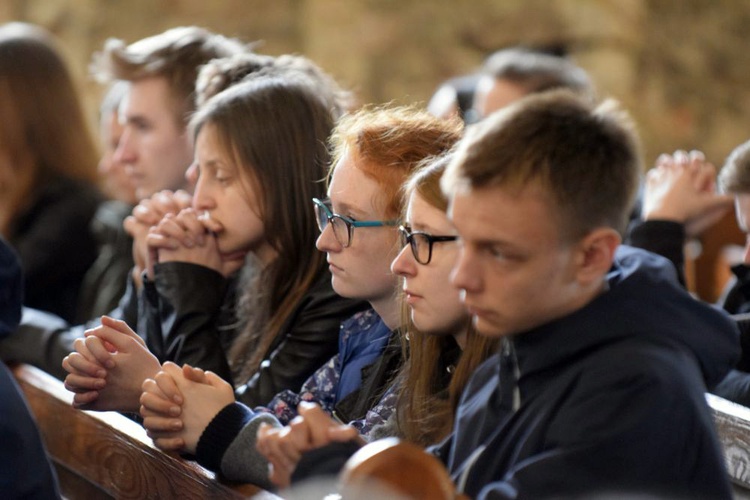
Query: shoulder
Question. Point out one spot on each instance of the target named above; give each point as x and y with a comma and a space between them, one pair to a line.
62, 197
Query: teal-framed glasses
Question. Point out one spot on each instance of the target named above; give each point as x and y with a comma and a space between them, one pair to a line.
343, 226
421, 243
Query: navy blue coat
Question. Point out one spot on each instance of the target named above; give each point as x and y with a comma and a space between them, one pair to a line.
610, 399
25, 470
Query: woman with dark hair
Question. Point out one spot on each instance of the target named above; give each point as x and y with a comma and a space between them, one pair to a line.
260, 154
48, 169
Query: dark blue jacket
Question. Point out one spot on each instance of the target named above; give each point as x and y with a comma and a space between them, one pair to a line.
611, 398
25, 471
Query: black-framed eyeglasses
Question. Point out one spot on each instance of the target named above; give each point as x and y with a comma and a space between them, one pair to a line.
421, 243
343, 226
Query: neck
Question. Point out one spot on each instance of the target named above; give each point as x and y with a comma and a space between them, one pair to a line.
265, 254
388, 310
460, 338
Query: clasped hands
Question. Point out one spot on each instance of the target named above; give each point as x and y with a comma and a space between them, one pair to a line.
177, 405
112, 369
682, 187
165, 228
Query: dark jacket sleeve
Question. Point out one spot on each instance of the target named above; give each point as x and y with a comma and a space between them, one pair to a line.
56, 246
43, 339
179, 316
666, 238
305, 343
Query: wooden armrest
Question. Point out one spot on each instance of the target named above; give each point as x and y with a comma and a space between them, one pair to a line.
106, 455
398, 466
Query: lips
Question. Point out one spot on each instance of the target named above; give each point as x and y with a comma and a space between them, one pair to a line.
333, 267
476, 311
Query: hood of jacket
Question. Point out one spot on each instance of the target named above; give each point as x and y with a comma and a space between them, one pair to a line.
644, 300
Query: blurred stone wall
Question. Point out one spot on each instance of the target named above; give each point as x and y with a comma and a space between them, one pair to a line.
682, 67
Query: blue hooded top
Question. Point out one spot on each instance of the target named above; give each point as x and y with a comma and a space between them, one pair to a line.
606, 401
25, 470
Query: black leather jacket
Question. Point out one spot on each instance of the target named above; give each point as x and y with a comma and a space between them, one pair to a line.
188, 316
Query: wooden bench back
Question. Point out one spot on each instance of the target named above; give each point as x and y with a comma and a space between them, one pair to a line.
107, 455
733, 427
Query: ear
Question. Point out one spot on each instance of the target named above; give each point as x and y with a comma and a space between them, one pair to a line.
596, 251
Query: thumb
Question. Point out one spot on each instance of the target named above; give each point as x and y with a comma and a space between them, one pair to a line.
723, 199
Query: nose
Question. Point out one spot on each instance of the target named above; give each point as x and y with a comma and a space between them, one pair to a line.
191, 174
327, 242
203, 198
125, 152
106, 163
466, 274
404, 265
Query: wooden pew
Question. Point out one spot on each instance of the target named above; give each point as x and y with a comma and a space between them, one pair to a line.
396, 463
100, 455
733, 426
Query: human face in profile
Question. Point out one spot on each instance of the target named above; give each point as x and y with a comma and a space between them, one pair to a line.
361, 270
226, 193
154, 145
434, 305
117, 182
514, 271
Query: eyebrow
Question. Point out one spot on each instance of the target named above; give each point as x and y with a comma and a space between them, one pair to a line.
346, 207
426, 228
137, 120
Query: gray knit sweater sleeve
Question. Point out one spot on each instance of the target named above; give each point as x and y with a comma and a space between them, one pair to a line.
242, 462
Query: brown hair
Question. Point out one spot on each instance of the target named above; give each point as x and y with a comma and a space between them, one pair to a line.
425, 406
735, 175
42, 124
276, 128
587, 159
538, 72
176, 55
219, 74
387, 143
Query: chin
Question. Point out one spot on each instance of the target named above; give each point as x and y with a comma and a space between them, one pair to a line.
488, 329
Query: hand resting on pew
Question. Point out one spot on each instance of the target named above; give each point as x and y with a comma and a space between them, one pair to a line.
108, 368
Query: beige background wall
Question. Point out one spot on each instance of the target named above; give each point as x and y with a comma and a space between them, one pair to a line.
682, 67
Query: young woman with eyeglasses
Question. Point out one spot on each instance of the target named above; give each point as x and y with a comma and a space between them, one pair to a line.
374, 152
440, 344
260, 154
